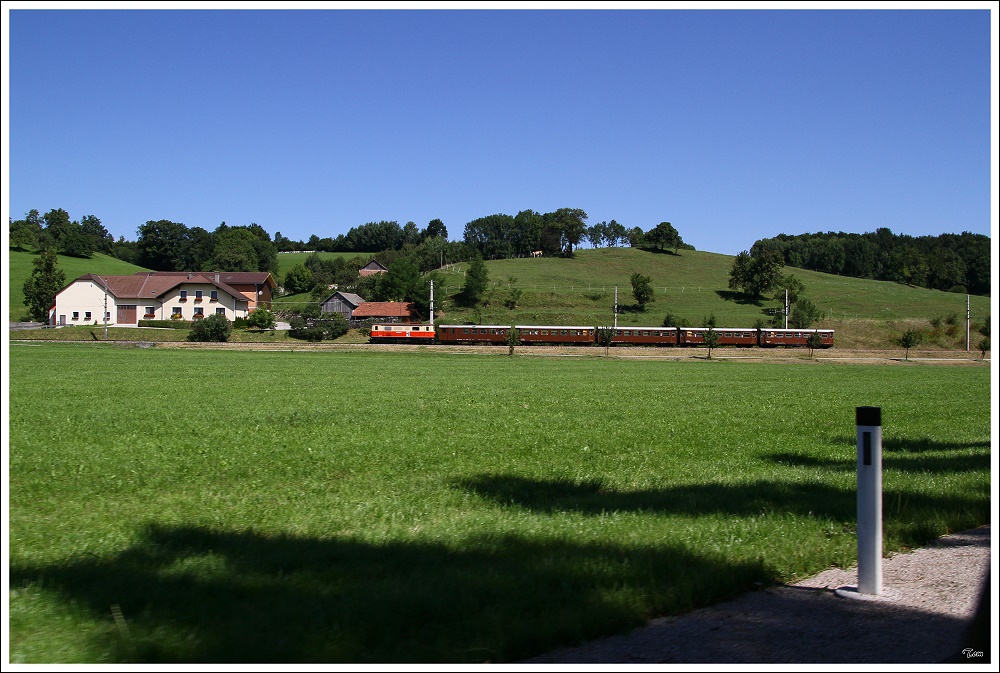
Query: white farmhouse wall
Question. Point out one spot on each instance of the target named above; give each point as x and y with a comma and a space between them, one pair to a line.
234, 307
80, 298
87, 296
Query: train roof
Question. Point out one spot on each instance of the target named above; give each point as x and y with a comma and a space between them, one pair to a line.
467, 325
721, 329
796, 329
554, 326
634, 327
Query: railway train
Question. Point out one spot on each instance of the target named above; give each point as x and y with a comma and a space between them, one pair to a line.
577, 335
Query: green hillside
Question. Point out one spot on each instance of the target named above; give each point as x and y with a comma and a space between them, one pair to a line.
74, 267
694, 285
691, 285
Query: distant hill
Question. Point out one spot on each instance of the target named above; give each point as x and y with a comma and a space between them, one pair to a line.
74, 267
691, 285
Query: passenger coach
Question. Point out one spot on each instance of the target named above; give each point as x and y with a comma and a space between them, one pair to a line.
771, 337
644, 336
472, 334
555, 334
728, 336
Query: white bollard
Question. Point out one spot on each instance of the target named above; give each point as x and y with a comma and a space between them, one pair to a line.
869, 437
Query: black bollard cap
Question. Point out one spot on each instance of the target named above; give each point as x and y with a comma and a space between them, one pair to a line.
869, 416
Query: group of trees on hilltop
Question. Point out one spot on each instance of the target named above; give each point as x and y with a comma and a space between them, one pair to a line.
369, 237
171, 246
56, 231
558, 233
949, 262
163, 245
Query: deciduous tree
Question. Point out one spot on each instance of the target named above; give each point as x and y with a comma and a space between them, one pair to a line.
642, 290
42, 286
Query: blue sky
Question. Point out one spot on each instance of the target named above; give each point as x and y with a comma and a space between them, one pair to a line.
733, 125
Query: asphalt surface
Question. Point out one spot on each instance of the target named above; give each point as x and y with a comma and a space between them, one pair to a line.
935, 608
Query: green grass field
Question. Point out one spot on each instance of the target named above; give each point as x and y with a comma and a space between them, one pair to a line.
204, 506
286, 260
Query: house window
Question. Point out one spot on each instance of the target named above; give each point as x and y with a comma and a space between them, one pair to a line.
197, 295
176, 311
76, 315
184, 295
199, 311
215, 295
86, 316
220, 311
107, 315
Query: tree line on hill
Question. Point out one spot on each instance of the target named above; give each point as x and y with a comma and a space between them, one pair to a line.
163, 245
949, 262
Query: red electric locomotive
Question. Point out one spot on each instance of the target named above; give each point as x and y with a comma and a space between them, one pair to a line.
401, 333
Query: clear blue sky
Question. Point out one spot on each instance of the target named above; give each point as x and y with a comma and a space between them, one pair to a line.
732, 125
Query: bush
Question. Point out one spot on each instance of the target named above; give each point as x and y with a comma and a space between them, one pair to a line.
261, 319
328, 326
213, 328
301, 329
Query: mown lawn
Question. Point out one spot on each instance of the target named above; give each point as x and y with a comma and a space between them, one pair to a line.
362, 507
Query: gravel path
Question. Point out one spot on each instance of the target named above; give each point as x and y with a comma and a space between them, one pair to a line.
924, 615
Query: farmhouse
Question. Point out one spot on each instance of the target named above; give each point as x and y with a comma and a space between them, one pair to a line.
161, 295
372, 268
343, 303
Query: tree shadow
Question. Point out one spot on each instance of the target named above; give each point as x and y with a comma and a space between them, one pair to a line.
739, 297
809, 499
904, 455
194, 594
594, 498
923, 464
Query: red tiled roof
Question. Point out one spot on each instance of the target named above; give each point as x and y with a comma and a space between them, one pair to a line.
152, 284
228, 277
385, 309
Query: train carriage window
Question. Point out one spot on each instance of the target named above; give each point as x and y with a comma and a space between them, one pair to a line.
465, 330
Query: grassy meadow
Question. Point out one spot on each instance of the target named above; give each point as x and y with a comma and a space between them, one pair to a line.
171, 506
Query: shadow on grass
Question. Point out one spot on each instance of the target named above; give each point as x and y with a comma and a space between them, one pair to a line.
740, 297
592, 497
908, 455
192, 594
913, 518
